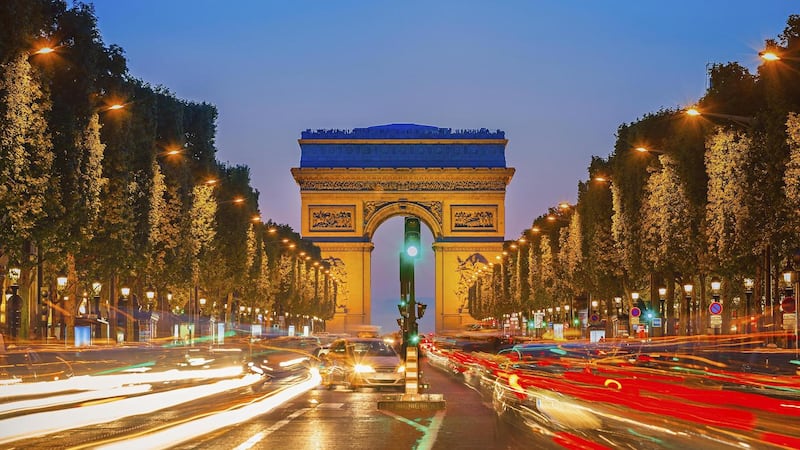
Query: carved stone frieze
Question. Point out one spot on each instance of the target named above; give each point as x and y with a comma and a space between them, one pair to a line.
332, 218
434, 207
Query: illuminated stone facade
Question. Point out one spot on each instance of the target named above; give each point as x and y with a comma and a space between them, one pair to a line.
453, 181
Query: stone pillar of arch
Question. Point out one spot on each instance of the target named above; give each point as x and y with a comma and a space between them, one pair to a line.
454, 182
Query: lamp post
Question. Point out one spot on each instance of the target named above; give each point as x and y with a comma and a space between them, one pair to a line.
202, 301
150, 294
789, 303
95, 308
635, 299
748, 292
127, 311
716, 323
662, 309
14, 304
61, 286
687, 288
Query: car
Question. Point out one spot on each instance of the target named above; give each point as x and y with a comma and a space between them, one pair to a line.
363, 363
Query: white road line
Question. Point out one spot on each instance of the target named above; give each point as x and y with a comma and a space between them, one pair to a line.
405, 421
429, 433
258, 437
427, 441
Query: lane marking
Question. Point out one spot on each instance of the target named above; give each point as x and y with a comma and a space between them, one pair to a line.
419, 427
427, 441
429, 433
258, 437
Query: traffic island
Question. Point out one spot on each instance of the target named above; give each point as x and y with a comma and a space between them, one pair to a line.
406, 402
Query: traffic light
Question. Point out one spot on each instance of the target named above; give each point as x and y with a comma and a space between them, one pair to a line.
412, 243
403, 309
421, 310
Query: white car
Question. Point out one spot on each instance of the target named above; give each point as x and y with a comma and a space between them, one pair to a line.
363, 362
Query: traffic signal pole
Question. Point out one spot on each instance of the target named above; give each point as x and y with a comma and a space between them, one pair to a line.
410, 311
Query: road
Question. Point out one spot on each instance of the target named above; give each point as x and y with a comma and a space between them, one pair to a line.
341, 419
720, 393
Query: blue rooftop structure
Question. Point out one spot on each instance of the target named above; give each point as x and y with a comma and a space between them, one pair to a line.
403, 146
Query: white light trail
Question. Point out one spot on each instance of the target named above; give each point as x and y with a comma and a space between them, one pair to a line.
90, 383
207, 424
31, 425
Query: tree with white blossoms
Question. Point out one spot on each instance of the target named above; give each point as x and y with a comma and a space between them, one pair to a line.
727, 212
792, 176
25, 155
513, 264
548, 273
203, 232
667, 235
570, 260
158, 221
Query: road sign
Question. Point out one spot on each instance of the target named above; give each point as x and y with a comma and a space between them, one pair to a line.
594, 318
716, 321
789, 320
715, 308
636, 312
787, 304
656, 321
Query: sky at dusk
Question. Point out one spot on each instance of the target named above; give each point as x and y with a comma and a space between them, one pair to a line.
557, 76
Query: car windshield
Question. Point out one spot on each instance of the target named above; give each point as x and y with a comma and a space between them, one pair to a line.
372, 348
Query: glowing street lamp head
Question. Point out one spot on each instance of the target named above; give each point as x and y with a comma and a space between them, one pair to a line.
412, 251
44, 51
693, 112
769, 56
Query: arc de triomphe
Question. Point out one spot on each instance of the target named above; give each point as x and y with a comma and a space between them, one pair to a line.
453, 181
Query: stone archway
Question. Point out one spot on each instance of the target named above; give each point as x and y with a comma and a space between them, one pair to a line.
353, 181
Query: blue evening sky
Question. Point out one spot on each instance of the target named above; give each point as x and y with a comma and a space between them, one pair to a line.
557, 76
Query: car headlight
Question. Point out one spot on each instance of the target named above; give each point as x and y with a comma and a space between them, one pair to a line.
401, 369
363, 368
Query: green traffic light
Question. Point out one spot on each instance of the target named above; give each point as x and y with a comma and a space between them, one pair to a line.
414, 339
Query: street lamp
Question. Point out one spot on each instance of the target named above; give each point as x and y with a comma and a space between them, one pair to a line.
789, 304
150, 294
14, 303
127, 310
748, 292
202, 301
767, 55
662, 309
716, 284
95, 309
739, 120
61, 286
687, 288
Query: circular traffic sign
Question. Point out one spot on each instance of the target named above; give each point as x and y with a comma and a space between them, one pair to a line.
715, 308
636, 312
788, 304
594, 318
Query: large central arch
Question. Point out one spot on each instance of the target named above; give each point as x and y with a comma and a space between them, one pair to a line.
353, 181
